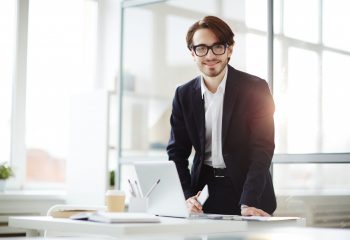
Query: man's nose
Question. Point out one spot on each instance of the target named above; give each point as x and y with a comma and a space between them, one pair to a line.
210, 54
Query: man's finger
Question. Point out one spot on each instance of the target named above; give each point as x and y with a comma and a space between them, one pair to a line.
251, 211
196, 203
192, 206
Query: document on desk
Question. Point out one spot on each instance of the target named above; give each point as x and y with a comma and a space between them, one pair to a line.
120, 217
249, 218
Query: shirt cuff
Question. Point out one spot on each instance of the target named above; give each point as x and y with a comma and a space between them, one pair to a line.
244, 206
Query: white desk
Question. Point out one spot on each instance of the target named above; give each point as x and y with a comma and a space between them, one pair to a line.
167, 226
266, 234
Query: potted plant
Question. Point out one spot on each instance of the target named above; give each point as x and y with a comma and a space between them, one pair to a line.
5, 173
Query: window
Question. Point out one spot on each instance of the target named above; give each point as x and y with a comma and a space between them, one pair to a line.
301, 19
61, 55
310, 90
58, 54
335, 21
7, 47
310, 79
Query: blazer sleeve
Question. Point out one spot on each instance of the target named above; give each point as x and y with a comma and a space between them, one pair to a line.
179, 146
261, 144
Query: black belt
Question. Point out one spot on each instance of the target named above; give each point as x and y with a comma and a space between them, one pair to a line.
217, 172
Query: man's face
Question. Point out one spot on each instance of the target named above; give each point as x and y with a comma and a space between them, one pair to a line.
210, 65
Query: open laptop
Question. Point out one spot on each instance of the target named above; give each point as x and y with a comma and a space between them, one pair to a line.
167, 198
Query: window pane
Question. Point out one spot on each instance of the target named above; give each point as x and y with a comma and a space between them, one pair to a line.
200, 7
256, 14
257, 55
177, 51
336, 18
234, 10
298, 101
301, 19
313, 177
336, 116
7, 46
61, 53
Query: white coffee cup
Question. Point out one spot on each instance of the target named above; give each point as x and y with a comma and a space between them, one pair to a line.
115, 200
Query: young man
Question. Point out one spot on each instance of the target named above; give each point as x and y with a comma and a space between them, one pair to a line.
227, 117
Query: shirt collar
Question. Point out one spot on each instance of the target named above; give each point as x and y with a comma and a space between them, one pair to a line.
221, 86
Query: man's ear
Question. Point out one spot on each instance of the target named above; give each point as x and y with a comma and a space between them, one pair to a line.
229, 50
193, 55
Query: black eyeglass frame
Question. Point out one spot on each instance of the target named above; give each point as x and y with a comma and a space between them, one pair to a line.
209, 48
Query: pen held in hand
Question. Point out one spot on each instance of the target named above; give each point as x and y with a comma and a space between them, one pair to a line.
152, 188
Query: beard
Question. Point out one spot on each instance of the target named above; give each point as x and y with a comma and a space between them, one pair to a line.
212, 68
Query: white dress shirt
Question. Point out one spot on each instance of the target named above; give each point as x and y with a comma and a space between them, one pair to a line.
213, 105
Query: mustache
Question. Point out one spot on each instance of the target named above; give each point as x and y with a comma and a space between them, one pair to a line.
211, 61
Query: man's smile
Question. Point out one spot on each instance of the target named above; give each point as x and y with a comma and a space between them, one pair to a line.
211, 63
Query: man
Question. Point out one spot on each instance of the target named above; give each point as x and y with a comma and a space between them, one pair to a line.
227, 117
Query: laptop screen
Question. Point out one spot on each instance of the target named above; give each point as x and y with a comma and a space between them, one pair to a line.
167, 198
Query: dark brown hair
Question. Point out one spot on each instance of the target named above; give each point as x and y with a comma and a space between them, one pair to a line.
221, 30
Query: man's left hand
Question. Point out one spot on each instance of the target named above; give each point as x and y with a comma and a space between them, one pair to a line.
252, 211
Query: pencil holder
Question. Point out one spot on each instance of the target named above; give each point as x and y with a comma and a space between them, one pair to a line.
138, 204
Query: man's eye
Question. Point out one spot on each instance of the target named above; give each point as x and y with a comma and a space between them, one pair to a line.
201, 48
219, 47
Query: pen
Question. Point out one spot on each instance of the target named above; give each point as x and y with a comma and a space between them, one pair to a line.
153, 187
138, 189
133, 192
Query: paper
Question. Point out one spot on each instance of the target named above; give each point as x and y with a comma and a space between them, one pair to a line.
119, 217
203, 196
249, 218
268, 219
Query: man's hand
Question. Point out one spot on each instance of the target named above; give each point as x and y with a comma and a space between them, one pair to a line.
193, 205
252, 211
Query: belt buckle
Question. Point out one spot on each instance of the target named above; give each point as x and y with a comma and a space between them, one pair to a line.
219, 172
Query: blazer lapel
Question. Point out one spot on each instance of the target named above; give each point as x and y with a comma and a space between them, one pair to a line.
231, 92
198, 112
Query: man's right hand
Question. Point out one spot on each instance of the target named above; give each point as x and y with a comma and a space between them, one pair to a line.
193, 205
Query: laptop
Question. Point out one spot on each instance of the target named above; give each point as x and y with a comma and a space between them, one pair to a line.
166, 198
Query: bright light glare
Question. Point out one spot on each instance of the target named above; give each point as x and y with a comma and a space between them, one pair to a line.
302, 101
336, 18
336, 116
301, 19
256, 14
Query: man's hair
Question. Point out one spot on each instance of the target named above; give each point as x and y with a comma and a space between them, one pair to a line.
221, 30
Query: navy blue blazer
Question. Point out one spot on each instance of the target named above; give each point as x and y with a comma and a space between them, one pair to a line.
247, 137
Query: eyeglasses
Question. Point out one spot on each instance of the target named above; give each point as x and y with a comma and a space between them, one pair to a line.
201, 50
